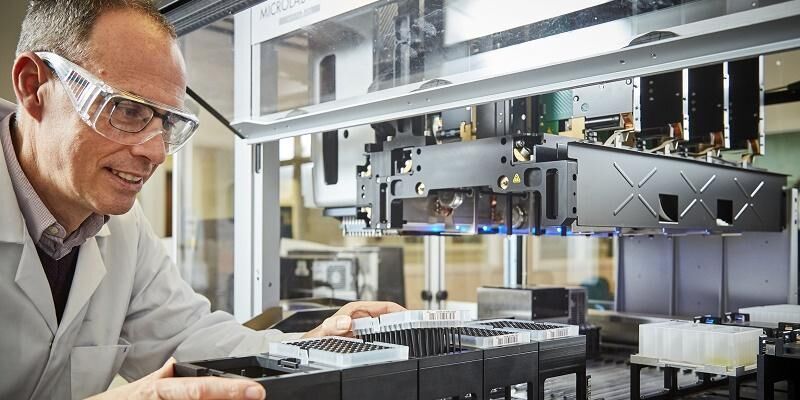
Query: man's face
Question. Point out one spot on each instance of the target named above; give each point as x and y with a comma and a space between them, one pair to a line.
90, 172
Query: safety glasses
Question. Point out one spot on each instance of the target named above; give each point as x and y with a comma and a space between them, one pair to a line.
118, 115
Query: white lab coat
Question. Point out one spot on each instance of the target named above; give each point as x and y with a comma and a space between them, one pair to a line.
128, 310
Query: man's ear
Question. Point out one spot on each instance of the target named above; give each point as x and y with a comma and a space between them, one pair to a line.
28, 76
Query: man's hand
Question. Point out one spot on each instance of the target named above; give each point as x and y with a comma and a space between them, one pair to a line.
339, 324
160, 385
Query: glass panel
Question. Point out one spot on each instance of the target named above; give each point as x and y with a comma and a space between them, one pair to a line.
575, 261
470, 262
782, 118
398, 45
319, 262
209, 64
286, 149
206, 211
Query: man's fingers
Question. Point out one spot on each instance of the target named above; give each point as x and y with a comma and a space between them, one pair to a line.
208, 389
340, 324
360, 309
336, 325
166, 370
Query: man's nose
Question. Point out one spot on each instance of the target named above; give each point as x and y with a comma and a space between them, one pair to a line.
153, 149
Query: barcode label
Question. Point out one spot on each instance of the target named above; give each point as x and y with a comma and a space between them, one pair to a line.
505, 340
553, 333
441, 315
556, 333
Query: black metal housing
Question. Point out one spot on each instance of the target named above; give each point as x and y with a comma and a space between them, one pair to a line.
564, 186
466, 374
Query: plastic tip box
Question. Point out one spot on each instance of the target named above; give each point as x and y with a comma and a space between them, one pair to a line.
411, 319
339, 352
538, 330
484, 338
699, 344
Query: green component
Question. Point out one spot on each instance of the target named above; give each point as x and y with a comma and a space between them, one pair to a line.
554, 108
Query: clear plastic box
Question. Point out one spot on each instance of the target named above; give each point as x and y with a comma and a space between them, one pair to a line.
699, 344
692, 343
672, 341
650, 338
731, 346
774, 313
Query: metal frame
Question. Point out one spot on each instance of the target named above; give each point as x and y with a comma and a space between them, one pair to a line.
182, 209
764, 30
256, 198
623, 188
794, 257
515, 257
434, 272
190, 15
671, 388
719, 267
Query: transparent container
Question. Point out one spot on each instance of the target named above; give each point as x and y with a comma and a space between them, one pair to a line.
672, 341
693, 345
774, 313
699, 344
650, 338
731, 346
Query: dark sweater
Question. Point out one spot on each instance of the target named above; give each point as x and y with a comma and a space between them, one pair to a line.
59, 275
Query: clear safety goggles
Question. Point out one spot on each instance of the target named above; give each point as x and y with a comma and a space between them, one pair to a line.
118, 115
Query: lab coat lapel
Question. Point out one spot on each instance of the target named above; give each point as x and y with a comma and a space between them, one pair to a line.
31, 279
29, 275
89, 272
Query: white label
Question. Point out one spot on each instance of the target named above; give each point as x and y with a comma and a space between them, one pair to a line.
506, 339
274, 18
440, 315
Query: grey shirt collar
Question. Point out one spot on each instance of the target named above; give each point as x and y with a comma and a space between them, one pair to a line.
46, 232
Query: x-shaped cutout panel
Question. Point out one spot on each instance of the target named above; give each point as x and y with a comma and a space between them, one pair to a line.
635, 192
748, 199
698, 192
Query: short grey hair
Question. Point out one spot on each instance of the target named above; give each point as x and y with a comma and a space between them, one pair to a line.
63, 26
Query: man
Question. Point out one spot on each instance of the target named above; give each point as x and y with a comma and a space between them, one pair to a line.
86, 289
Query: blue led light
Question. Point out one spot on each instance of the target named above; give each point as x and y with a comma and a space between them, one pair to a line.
436, 228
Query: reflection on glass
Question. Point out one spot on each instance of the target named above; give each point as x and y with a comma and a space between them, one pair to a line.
209, 63
205, 249
318, 262
470, 262
575, 261
390, 44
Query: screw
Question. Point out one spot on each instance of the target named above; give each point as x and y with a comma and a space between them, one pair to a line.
420, 188
502, 182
